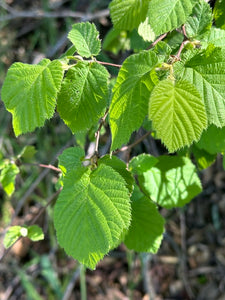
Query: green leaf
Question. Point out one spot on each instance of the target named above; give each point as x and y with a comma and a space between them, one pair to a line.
27, 153
116, 40
167, 15
145, 31
206, 70
85, 38
142, 163
212, 140
120, 167
128, 14
35, 233
177, 113
219, 13
200, 21
172, 182
91, 213
162, 51
29, 93
82, 98
216, 36
131, 92
147, 226
8, 177
11, 236
70, 159
203, 158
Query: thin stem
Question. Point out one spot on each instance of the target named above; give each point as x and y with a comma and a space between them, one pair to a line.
97, 134
108, 64
158, 40
44, 166
125, 148
181, 48
83, 289
184, 31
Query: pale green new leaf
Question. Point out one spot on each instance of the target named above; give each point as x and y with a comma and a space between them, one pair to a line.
167, 15
91, 213
128, 14
8, 177
219, 13
206, 70
70, 159
29, 93
131, 92
145, 31
147, 225
27, 153
85, 38
200, 21
82, 99
11, 236
172, 182
212, 140
178, 113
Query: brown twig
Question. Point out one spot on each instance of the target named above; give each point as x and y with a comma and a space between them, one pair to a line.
125, 148
108, 64
184, 31
37, 14
44, 166
183, 43
97, 134
158, 40
181, 48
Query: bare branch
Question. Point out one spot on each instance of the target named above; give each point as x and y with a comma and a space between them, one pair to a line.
37, 14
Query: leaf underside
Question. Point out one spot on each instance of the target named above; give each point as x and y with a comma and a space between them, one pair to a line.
177, 113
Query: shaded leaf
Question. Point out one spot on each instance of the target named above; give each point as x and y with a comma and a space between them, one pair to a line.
212, 140
147, 226
70, 159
